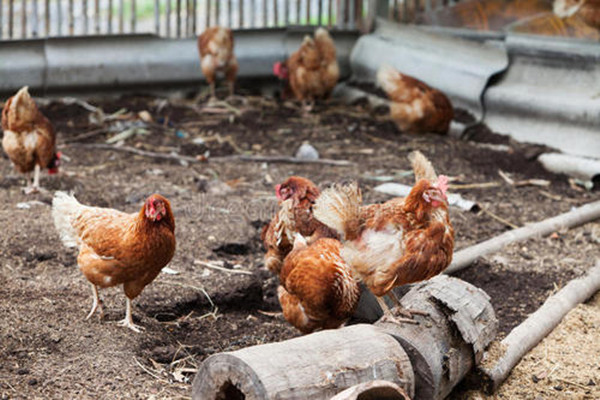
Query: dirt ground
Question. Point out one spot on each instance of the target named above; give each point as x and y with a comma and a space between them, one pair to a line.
48, 350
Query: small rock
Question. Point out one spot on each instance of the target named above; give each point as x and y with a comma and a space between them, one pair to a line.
22, 371
558, 387
32, 382
307, 152
535, 379
591, 383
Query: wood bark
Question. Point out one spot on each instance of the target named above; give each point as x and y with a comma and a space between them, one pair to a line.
315, 366
539, 324
374, 390
576, 217
451, 339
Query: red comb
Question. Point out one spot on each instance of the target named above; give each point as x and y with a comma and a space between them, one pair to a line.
442, 183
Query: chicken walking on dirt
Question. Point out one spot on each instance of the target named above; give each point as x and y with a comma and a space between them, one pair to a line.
116, 247
395, 243
29, 139
215, 46
312, 70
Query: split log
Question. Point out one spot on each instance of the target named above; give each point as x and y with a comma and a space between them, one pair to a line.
316, 366
449, 341
374, 390
576, 217
537, 326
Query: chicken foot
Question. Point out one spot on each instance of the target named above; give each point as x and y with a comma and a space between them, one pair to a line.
97, 304
400, 309
128, 320
35, 186
388, 315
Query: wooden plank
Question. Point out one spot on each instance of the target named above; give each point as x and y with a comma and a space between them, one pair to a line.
315, 366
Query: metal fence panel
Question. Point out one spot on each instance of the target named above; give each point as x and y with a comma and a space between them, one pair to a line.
23, 19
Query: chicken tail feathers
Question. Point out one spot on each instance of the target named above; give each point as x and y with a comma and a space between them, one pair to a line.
64, 208
339, 208
422, 167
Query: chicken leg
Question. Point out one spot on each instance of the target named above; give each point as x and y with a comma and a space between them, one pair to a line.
128, 320
35, 186
97, 304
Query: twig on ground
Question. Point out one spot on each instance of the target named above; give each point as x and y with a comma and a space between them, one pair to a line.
151, 373
132, 150
284, 159
579, 385
206, 264
272, 314
191, 160
473, 185
184, 285
500, 219
86, 135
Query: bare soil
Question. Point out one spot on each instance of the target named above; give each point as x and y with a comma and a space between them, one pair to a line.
48, 350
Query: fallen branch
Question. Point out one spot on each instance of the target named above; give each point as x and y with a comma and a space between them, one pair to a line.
284, 159
539, 324
86, 135
186, 159
499, 219
132, 150
222, 269
578, 216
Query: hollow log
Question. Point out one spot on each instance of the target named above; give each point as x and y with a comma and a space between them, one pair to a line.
539, 324
374, 390
449, 341
316, 366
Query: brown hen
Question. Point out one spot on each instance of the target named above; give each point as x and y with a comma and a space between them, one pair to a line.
414, 106
29, 139
215, 46
395, 243
117, 248
317, 288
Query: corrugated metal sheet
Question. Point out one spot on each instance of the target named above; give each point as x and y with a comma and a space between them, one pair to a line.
549, 95
142, 60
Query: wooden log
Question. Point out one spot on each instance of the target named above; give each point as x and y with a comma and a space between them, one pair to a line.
315, 366
374, 390
451, 339
576, 217
537, 326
